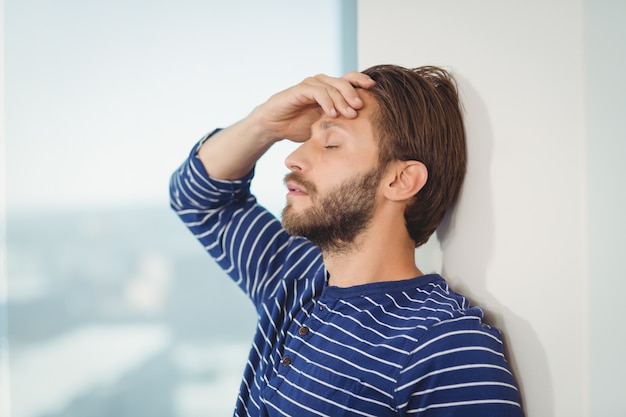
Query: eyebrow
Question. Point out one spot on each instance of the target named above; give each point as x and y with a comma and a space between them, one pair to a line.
327, 124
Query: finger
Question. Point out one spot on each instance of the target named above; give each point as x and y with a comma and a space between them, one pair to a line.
345, 102
358, 79
324, 91
355, 80
341, 92
319, 92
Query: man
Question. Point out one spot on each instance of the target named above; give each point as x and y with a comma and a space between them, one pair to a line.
348, 324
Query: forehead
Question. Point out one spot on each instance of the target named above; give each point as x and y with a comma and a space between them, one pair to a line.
363, 120
370, 105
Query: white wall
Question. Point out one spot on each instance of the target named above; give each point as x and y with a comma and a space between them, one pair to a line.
605, 63
517, 244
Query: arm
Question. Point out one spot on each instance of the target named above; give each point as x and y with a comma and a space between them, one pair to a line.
210, 191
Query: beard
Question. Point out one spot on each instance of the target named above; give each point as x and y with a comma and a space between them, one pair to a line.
334, 220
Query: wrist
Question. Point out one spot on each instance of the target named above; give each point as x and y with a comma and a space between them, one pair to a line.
258, 126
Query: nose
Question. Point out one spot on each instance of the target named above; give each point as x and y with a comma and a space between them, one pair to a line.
296, 161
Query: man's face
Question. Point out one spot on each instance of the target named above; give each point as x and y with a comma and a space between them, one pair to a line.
334, 179
334, 220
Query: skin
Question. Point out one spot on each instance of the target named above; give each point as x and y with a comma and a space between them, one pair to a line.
339, 149
331, 117
334, 219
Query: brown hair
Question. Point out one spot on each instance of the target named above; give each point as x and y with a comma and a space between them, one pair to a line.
420, 118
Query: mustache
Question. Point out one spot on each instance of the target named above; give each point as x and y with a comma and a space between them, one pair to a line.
299, 179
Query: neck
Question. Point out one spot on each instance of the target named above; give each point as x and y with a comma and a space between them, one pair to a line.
376, 256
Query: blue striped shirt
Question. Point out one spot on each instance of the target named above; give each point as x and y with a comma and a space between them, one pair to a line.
403, 348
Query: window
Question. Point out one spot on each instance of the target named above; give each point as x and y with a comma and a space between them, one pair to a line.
112, 307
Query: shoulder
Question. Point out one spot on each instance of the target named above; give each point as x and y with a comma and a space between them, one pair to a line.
405, 313
458, 360
454, 326
430, 301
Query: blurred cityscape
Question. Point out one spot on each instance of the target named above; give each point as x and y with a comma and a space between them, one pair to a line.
120, 313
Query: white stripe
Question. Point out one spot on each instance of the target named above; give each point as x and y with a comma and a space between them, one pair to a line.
465, 385
325, 399
377, 321
450, 369
410, 318
422, 305
454, 333
462, 403
394, 349
352, 364
457, 350
371, 329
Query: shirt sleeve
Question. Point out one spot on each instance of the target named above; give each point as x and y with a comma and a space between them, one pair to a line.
247, 241
459, 369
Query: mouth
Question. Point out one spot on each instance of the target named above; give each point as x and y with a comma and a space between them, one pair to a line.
295, 189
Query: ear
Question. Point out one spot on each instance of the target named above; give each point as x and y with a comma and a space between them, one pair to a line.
404, 179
